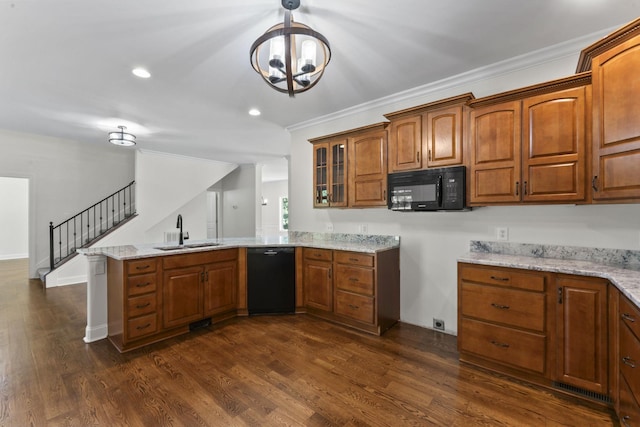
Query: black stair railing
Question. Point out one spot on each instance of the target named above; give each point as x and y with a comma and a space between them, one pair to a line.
91, 224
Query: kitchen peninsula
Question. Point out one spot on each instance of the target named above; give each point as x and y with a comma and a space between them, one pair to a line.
140, 294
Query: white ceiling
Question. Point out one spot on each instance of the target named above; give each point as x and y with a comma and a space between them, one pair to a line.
66, 64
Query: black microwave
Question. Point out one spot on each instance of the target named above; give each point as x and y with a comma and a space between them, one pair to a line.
441, 189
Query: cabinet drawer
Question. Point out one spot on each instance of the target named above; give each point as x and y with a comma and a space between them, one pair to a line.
630, 359
512, 347
354, 279
355, 306
141, 266
145, 304
503, 277
141, 284
629, 407
141, 326
318, 254
508, 306
354, 258
630, 315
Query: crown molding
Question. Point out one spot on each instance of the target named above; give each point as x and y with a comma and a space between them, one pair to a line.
571, 47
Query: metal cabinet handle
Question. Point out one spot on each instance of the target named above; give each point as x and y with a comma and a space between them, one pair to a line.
629, 361
143, 305
418, 156
143, 327
329, 272
594, 183
500, 344
429, 155
500, 306
624, 420
502, 279
353, 307
560, 294
628, 317
517, 188
142, 267
354, 259
525, 188
353, 279
142, 285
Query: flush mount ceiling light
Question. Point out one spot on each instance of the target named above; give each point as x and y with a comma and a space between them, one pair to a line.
286, 56
141, 72
122, 138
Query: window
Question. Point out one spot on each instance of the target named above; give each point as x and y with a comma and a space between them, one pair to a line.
284, 213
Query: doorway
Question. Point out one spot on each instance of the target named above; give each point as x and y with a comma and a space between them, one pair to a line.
14, 215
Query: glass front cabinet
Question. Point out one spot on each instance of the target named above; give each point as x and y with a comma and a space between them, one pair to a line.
330, 173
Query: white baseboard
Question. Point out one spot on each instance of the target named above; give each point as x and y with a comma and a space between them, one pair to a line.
95, 333
13, 256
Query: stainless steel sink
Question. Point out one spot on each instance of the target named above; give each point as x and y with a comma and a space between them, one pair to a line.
186, 246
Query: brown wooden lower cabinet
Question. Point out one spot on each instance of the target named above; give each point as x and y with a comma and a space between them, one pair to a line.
628, 359
355, 289
575, 334
155, 298
152, 299
582, 342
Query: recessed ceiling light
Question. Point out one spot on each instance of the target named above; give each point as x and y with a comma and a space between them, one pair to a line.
254, 112
141, 72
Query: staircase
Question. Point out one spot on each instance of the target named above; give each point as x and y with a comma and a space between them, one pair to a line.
87, 227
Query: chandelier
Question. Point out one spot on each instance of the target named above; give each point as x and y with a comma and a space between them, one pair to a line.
289, 61
122, 138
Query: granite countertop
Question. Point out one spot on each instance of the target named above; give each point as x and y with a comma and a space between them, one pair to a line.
337, 241
620, 267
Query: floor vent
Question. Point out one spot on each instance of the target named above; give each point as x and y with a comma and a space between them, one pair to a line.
586, 393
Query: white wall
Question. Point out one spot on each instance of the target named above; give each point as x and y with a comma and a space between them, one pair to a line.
272, 191
166, 185
240, 202
14, 217
65, 177
431, 242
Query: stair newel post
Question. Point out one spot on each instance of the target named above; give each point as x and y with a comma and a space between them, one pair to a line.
51, 257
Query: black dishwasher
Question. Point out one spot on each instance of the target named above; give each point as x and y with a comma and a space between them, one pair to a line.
271, 280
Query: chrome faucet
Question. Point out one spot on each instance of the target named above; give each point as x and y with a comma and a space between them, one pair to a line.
179, 225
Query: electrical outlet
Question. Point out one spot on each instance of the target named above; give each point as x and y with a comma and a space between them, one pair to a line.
502, 234
363, 229
438, 324
328, 227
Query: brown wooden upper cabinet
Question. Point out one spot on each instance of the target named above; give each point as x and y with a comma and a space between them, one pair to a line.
615, 61
429, 135
368, 167
350, 168
529, 145
330, 173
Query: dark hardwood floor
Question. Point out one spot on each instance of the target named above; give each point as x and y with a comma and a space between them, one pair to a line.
258, 371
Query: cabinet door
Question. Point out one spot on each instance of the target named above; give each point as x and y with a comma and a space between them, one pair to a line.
495, 154
320, 175
182, 296
368, 169
616, 128
444, 136
338, 173
582, 357
220, 287
405, 144
318, 286
553, 146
